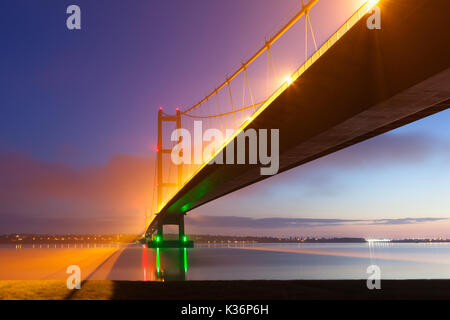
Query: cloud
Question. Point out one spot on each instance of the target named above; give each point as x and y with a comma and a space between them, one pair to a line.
387, 149
390, 149
405, 221
38, 196
277, 223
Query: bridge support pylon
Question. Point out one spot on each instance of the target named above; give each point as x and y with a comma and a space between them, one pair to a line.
158, 241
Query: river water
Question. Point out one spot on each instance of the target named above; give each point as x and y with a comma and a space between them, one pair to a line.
227, 262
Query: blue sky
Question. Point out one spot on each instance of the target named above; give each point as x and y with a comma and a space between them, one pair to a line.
78, 108
402, 174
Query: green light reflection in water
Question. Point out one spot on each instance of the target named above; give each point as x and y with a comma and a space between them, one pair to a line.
181, 260
157, 261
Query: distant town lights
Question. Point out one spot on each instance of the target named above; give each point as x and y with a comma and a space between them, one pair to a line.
378, 240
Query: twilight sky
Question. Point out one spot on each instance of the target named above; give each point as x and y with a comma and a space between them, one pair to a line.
77, 125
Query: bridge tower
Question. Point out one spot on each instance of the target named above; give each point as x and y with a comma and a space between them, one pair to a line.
161, 151
174, 219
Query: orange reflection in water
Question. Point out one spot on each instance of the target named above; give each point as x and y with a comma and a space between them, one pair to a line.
49, 263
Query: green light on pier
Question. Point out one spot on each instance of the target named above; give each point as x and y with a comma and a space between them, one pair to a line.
185, 261
158, 267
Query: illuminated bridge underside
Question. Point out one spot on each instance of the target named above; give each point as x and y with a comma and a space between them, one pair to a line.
369, 82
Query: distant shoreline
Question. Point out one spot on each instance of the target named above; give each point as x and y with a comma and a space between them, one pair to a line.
198, 239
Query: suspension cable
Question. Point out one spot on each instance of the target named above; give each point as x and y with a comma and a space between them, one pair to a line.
226, 113
306, 36
273, 66
272, 40
243, 89
232, 105
312, 31
249, 89
268, 67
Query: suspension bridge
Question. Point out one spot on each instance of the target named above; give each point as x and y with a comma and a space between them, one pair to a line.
357, 84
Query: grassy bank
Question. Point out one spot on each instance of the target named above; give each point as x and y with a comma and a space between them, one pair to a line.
206, 290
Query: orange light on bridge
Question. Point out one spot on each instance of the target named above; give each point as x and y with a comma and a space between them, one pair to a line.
289, 80
372, 3
283, 82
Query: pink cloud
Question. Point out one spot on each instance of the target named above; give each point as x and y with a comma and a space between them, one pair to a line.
108, 198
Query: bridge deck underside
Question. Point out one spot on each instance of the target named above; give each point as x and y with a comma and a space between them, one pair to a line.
369, 82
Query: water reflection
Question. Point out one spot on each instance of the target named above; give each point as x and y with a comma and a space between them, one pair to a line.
162, 264
232, 261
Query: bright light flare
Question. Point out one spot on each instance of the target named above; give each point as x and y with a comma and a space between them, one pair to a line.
288, 80
378, 240
372, 3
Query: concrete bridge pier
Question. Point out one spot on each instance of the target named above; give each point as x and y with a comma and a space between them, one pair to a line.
158, 241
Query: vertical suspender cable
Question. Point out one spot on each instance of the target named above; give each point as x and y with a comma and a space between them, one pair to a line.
268, 67
232, 105
250, 90
312, 32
